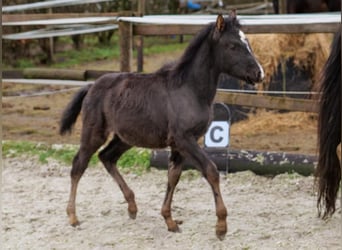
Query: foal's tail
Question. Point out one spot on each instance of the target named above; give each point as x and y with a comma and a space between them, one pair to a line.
328, 171
73, 109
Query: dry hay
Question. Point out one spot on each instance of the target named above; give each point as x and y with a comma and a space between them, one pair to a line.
274, 122
309, 51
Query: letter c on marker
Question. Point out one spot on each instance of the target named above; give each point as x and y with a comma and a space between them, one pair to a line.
212, 134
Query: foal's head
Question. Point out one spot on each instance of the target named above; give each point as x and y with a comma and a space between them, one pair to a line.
232, 52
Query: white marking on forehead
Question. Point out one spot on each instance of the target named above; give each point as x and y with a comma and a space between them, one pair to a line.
244, 40
242, 35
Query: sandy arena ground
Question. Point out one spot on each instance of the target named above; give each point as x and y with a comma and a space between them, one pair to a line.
264, 213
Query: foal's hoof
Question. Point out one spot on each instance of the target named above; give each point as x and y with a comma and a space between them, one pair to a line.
74, 223
174, 226
221, 236
221, 232
175, 229
132, 215
132, 211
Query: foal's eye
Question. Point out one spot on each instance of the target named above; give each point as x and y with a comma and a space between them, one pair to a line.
231, 46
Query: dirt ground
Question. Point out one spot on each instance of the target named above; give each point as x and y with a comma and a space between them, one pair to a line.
264, 213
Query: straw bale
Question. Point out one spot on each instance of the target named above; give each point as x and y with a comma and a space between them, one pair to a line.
309, 51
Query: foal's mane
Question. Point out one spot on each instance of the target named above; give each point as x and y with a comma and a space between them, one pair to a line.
179, 68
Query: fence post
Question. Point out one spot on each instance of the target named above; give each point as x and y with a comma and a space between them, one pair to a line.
282, 7
140, 39
126, 46
266, 8
141, 7
51, 42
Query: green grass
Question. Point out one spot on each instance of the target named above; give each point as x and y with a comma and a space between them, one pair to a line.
136, 160
93, 51
164, 48
25, 63
77, 57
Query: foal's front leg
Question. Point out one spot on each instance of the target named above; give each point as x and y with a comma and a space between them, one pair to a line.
192, 150
174, 172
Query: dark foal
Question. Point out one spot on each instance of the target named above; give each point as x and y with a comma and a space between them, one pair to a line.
169, 108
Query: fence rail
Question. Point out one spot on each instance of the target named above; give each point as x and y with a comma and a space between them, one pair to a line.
47, 5
80, 78
11, 18
268, 102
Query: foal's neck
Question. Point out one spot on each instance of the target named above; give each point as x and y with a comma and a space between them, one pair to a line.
203, 75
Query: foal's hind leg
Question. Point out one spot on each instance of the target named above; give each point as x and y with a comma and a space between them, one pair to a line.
109, 156
190, 148
79, 165
174, 172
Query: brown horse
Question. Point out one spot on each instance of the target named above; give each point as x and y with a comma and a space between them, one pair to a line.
169, 108
328, 171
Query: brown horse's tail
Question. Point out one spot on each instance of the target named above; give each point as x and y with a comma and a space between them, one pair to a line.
73, 109
328, 171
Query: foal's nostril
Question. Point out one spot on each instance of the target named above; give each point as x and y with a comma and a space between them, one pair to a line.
260, 75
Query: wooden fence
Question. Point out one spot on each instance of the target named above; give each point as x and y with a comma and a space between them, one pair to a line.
73, 77
268, 102
181, 25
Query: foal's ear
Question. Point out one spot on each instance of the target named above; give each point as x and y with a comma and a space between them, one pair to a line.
233, 18
232, 14
220, 23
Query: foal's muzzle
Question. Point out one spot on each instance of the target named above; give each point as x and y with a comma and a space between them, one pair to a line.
260, 75
256, 75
